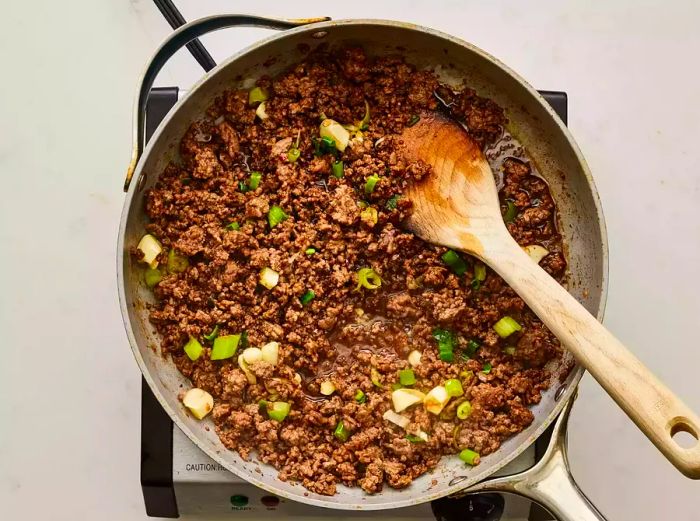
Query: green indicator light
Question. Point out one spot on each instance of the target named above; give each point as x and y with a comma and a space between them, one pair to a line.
239, 501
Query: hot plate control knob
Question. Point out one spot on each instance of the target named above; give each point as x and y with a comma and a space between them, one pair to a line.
475, 507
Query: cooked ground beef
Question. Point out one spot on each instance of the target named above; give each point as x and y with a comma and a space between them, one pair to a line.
344, 333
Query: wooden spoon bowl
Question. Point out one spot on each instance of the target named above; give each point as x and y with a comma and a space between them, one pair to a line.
457, 206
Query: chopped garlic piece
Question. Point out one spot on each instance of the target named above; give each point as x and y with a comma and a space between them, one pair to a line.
151, 248
414, 358
198, 402
404, 398
270, 352
536, 252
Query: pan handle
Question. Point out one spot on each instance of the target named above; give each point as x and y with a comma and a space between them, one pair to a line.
175, 42
549, 482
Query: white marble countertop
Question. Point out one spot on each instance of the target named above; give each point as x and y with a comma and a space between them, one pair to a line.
69, 412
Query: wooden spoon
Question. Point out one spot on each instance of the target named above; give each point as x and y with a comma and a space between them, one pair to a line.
457, 206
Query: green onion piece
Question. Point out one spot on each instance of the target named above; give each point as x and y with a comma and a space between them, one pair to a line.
396, 386
375, 377
338, 169
392, 203
368, 278
464, 410
254, 180
479, 275
472, 346
278, 411
455, 262
225, 347
370, 183
487, 368
414, 439
454, 387
293, 154
244, 340
506, 326
310, 251
262, 406
324, 145
214, 333
243, 186
446, 341
466, 375
341, 432
307, 297
511, 212
256, 95
362, 204
414, 119
152, 277
176, 262
407, 377
360, 397
193, 349
510, 350
275, 216
469, 457
363, 124
233, 226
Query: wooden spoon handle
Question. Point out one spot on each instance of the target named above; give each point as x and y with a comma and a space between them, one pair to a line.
647, 401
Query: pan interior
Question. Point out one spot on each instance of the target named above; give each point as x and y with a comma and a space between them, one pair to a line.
532, 122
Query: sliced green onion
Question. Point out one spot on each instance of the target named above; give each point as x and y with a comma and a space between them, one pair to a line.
466, 375
214, 333
396, 386
360, 397
368, 278
233, 226
176, 262
479, 275
446, 341
370, 183
152, 277
464, 410
193, 349
363, 124
307, 297
278, 411
392, 203
244, 339
369, 216
243, 186
324, 145
375, 377
338, 169
510, 350
262, 406
454, 387
254, 180
275, 216
414, 439
256, 95
472, 346
293, 154
310, 251
487, 368
407, 377
455, 262
225, 347
341, 432
469, 457
511, 212
506, 326
414, 119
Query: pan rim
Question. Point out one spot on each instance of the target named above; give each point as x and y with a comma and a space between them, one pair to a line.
577, 371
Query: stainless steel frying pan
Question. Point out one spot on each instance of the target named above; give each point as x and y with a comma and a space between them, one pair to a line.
533, 123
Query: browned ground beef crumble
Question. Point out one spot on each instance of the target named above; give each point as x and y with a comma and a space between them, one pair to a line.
342, 333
